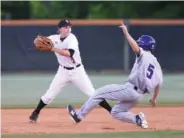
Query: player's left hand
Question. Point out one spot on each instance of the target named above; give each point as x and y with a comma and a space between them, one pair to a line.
43, 43
153, 102
123, 27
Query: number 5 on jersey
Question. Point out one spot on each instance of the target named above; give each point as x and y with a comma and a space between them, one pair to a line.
150, 71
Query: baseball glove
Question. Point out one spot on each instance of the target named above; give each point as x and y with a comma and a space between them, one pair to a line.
42, 43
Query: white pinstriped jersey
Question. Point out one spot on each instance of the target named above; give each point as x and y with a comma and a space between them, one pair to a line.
69, 42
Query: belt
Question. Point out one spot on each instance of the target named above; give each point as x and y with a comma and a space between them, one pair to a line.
70, 68
139, 90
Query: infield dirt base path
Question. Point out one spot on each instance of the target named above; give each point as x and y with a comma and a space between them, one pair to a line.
15, 121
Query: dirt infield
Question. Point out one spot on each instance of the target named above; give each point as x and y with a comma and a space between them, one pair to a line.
15, 121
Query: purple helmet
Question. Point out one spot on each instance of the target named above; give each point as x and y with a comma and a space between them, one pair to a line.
146, 42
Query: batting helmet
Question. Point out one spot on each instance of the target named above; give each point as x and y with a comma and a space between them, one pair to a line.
146, 42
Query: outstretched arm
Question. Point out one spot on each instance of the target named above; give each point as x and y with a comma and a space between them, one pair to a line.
153, 99
131, 41
63, 52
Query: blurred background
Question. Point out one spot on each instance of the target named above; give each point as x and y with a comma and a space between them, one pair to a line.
27, 73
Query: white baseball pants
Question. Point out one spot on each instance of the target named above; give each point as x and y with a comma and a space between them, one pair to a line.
77, 76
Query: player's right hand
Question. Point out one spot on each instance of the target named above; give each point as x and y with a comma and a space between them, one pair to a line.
123, 27
153, 102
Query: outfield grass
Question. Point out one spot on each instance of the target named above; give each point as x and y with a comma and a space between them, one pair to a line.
79, 104
143, 134
25, 90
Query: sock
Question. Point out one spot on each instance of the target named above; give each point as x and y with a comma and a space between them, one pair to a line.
40, 106
105, 105
138, 120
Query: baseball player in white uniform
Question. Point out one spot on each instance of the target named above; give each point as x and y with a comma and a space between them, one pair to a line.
70, 70
145, 77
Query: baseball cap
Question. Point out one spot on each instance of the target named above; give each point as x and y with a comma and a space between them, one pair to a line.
64, 23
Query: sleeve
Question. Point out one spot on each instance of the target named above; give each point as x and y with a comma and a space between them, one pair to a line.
51, 38
141, 53
71, 52
140, 56
160, 83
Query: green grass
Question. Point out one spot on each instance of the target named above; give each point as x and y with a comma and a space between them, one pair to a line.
142, 134
78, 104
25, 89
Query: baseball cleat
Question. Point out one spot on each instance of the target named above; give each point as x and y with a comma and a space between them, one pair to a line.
141, 120
73, 114
33, 118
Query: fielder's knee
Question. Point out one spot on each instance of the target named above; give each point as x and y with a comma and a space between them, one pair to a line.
47, 99
90, 93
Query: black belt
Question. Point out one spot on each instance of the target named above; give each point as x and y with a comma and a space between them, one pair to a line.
70, 68
136, 88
